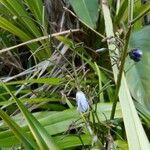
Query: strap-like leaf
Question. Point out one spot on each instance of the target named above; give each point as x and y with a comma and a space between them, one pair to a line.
86, 10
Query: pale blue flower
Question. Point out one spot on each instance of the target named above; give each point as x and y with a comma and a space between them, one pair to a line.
82, 102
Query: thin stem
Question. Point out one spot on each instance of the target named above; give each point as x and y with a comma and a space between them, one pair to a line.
130, 10
38, 39
75, 73
123, 57
121, 70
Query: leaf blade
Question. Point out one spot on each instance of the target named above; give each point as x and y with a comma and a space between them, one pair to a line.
43, 139
86, 10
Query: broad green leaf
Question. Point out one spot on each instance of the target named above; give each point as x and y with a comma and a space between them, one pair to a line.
86, 10
134, 130
138, 74
64, 141
144, 113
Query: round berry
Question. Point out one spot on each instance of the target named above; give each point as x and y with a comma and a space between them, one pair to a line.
136, 54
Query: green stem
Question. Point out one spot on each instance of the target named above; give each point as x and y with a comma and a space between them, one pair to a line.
121, 70
123, 57
130, 10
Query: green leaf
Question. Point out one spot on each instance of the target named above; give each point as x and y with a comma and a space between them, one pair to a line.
86, 10
144, 113
32, 25
19, 133
138, 73
7, 25
98, 72
51, 81
30, 100
57, 122
123, 145
17, 9
141, 11
122, 13
43, 139
36, 6
72, 141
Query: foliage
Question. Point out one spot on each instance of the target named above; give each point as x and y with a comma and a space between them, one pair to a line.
37, 99
26, 22
140, 71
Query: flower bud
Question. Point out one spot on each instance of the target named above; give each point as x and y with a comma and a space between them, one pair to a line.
82, 103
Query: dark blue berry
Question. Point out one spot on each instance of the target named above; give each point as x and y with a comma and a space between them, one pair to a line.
136, 54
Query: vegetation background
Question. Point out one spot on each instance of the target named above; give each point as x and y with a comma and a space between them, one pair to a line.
50, 49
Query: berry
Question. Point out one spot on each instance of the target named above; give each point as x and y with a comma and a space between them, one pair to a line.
136, 54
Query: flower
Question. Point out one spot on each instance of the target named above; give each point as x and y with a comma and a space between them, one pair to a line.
135, 54
82, 103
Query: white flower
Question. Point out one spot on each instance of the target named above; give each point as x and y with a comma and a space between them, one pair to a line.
82, 103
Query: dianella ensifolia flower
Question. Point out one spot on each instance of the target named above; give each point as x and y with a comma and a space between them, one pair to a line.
82, 103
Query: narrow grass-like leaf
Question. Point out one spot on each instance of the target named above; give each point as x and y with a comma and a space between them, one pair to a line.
41, 136
58, 122
141, 12
7, 25
36, 6
71, 141
18, 132
52, 81
17, 9
122, 13
31, 100
26, 23
101, 97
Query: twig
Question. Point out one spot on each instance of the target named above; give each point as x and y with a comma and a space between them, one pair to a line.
38, 39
